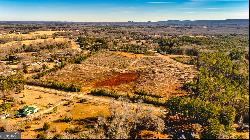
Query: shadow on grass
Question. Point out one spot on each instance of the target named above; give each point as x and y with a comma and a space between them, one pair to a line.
88, 122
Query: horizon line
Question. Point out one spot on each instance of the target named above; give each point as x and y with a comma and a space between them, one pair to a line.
130, 21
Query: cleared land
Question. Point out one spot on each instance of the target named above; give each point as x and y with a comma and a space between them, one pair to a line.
126, 72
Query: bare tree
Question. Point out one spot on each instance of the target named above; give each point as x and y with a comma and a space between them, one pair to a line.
125, 122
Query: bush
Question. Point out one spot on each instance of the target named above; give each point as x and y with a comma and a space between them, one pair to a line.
227, 116
190, 86
46, 126
236, 54
176, 51
66, 119
214, 130
25, 68
78, 59
27, 127
57, 136
2, 129
41, 136
12, 83
82, 101
73, 130
191, 52
5, 106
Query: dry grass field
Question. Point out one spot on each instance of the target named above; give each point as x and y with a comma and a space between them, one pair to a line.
126, 72
79, 112
53, 106
29, 36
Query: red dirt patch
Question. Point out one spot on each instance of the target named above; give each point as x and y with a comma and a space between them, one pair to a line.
118, 79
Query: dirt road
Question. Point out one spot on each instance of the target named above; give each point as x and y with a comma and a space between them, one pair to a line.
83, 95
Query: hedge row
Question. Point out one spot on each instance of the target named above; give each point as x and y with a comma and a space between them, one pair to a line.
55, 85
158, 101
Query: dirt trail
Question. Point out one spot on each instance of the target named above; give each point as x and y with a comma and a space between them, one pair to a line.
82, 95
70, 96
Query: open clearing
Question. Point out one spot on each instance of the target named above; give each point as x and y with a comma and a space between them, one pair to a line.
30, 36
83, 112
126, 72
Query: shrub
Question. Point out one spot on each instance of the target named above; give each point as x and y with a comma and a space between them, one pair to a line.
190, 86
44, 67
227, 116
73, 130
236, 54
27, 127
177, 51
12, 83
66, 119
82, 101
25, 68
57, 136
22, 102
79, 59
2, 129
46, 126
191, 52
5, 106
214, 130
41, 136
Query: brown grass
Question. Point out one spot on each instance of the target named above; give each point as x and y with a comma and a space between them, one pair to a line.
130, 55
159, 75
118, 79
145, 134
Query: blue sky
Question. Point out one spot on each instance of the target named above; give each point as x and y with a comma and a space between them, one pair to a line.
122, 10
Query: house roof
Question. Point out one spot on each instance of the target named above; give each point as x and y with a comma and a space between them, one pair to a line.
28, 110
